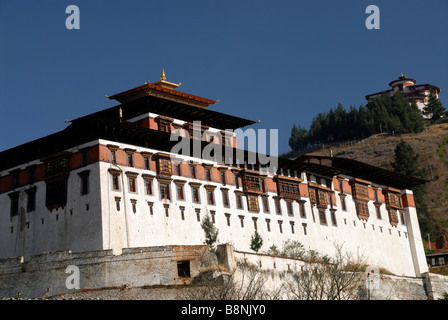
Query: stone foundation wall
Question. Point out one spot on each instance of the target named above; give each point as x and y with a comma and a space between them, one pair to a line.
159, 273
46, 274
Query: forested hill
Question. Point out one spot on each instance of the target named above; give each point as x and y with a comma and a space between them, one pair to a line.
383, 115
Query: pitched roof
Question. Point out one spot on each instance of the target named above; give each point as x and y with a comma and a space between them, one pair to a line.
171, 109
147, 88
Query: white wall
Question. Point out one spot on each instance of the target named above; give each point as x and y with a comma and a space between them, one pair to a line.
70, 228
383, 245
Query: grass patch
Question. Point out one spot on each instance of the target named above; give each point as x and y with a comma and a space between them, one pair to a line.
441, 150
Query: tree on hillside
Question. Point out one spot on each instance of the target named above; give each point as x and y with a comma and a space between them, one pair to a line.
294, 137
416, 120
256, 241
406, 160
211, 232
406, 163
434, 108
299, 137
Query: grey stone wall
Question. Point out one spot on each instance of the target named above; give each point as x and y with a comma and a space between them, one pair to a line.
45, 274
152, 273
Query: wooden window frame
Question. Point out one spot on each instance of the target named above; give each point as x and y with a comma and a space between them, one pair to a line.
278, 205
130, 161
31, 199
182, 212
227, 215
302, 208
132, 181
14, 203
265, 203
180, 192
223, 176
164, 124
393, 217
236, 179
322, 216
252, 203
115, 182
85, 182
333, 217
113, 153
225, 198
210, 197
148, 187
208, 173
151, 207
280, 225
255, 219
268, 225
164, 190
241, 217
239, 200
193, 171
288, 188
362, 209
195, 193
178, 169
289, 208
146, 163
251, 183
117, 203
31, 174
165, 166
134, 205
85, 158
226, 138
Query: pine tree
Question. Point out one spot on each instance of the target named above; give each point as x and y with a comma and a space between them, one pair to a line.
416, 117
406, 160
293, 140
256, 241
406, 163
434, 108
299, 138
302, 140
211, 232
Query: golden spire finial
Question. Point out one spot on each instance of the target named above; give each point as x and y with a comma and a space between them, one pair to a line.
165, 84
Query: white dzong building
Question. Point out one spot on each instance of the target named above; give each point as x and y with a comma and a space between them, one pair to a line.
111, 180
409, 89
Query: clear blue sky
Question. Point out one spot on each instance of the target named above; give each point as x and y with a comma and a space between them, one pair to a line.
280, 62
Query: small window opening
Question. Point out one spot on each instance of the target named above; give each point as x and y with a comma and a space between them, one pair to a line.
183, 269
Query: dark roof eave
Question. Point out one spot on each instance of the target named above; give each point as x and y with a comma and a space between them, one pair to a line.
369, 172
171, 109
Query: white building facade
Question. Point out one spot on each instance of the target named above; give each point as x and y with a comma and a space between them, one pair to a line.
410, 90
